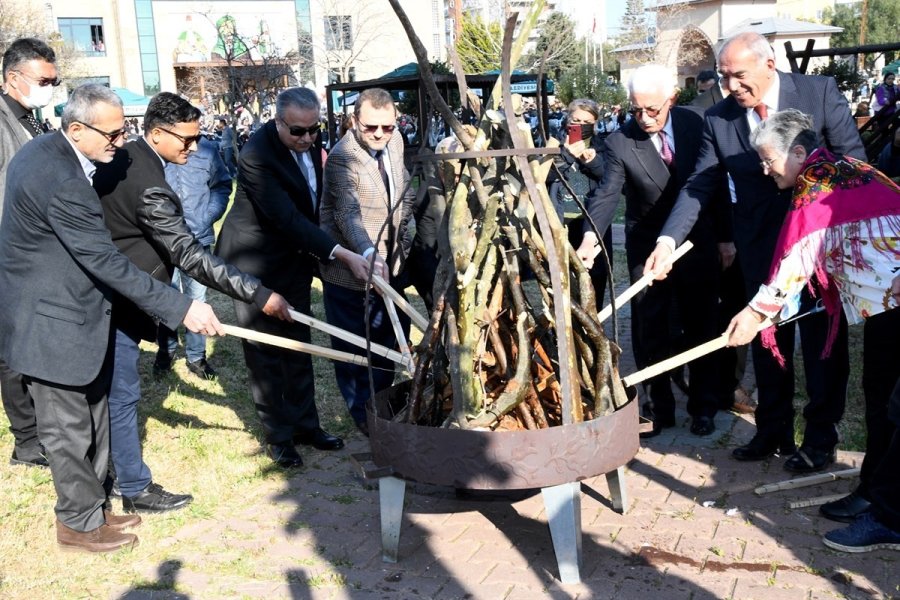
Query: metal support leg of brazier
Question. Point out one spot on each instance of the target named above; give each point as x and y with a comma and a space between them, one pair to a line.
390, 495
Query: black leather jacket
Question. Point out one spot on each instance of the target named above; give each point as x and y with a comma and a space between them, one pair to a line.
146, 221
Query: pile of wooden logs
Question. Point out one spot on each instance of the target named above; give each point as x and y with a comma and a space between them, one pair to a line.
514, 340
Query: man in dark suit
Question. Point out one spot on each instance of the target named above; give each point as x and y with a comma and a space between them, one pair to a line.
366, 205
272, 232
648, 160
29, 76
146, 220
58, 272
747, 65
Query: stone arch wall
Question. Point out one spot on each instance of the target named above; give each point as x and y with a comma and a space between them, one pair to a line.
695, 53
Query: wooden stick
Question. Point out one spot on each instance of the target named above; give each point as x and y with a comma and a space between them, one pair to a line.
641, 283
792, 484
398, 332
817, 501
350, 338
282, 342
685, 357
389, 292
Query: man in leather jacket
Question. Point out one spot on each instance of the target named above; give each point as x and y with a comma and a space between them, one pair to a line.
145, 218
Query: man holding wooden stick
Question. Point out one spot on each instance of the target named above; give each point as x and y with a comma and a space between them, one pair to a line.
367, 206
648, 161
272, 233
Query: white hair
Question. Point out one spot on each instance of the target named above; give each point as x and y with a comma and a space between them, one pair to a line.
652, 78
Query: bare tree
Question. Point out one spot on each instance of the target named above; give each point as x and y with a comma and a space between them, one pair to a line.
29, 18
350, 29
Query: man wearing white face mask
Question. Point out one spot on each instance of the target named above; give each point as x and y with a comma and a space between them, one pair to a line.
29, 76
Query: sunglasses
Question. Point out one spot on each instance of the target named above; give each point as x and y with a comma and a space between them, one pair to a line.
42, 82
111, 136
187, 141
388, 129
650, 112
297, 131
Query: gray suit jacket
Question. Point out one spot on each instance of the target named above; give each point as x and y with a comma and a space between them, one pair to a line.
761, 206
12, 137
355, 206
59, 269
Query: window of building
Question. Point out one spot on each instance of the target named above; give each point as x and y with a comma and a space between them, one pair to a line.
339, 32
86, 35
335, 76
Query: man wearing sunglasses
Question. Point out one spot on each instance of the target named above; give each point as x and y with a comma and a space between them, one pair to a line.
29, 75
146, 220
272, 231
58, 273
367, 207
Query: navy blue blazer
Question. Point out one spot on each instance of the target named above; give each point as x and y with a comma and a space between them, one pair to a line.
59, 269
761, 206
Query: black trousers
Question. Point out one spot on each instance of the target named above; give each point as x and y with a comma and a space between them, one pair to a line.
598, 272
281, 381
19, 409
693, 286
826, 379
73, 424
885, 484
881, 370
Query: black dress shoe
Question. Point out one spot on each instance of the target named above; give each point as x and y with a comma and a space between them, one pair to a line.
761, 447
33, 459
284, 455
319, 439
363, 427
659, 423
809, 460
846, 509
162, 364
201, 369
702, 425
154, 498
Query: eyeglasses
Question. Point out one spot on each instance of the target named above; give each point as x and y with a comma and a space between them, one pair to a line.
42, 82
649, 111
187, 141
767, 163
297, 131
387, 129
111, 136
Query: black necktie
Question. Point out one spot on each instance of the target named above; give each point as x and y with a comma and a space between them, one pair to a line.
383, 172
35, 126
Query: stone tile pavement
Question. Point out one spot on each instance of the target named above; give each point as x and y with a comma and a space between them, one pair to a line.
694, 529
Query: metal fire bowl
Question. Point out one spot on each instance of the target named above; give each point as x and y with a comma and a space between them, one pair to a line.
501, 460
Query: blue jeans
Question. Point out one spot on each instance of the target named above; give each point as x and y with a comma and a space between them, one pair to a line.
124, 438
194, 343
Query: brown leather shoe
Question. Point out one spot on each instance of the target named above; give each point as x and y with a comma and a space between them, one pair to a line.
102, 539
120, 522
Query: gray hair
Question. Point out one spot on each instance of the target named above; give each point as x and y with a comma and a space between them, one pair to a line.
754, 42
83, 102
652, 78
785, 129
585, 104
298, 97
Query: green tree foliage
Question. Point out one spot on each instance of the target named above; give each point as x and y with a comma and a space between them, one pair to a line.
479, 45
844, 73
881, 28
557, 33
410, 103
634, 23
588, 81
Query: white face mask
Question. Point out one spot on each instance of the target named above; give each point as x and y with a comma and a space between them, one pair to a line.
39, 96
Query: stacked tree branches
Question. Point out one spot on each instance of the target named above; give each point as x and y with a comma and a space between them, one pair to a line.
513, 341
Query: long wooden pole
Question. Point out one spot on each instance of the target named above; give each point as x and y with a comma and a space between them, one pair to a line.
799, 482
384, 287
289, 344
641, 283
350, 338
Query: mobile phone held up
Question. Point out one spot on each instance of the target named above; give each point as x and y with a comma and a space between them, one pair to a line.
578, 132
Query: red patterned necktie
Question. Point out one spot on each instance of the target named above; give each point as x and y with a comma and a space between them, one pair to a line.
665, 150
762, 110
